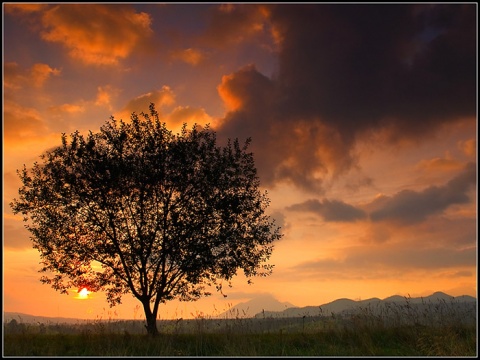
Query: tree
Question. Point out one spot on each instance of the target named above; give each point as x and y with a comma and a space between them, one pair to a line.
136, 209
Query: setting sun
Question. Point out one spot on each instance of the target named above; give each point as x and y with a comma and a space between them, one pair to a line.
83, 293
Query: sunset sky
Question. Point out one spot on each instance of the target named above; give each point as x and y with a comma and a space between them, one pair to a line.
362, 117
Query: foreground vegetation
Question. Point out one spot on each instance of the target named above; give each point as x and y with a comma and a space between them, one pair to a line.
398, 330
375, 342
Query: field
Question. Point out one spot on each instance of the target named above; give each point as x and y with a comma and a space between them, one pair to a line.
397, 330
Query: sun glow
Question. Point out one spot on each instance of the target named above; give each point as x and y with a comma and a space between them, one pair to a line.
83, 293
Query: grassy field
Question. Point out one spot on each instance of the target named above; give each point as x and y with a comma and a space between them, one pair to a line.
402, 331
404, 341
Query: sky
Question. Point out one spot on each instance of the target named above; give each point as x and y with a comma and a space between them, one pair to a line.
363, 121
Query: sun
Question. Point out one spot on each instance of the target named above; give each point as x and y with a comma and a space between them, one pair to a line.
83, 293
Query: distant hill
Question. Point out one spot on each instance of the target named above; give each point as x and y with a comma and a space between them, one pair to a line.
268, 306
258, 304
31, 319
346, 305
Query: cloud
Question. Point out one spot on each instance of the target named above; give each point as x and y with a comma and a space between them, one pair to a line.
11, 75
245, 89
330, 210
377, 234
447, 230
21, 123
23, 8
96, 34
188, 115
393, 73
161, 97
189, 56
16, 237
105, 95
16, 78
348, 65
286, 149
67, 108
281, 222
430, 258
41, 72
468, 147
458, 274
411, 207
383, 262
231, 24
446, 163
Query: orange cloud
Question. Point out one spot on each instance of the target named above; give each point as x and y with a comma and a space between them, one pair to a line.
16, 236
181, 115
380, 262
161, 98
16, 78
245, 88
41, 72
23, 8
309, 155
469, 147
446, 163
21, 123
232, 23
96, 34
190, 56
104, 96
11, 75
67, 108
231, 100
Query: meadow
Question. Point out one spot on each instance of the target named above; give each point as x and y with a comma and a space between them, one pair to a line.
397, 329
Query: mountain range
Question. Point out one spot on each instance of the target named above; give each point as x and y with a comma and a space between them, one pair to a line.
267, 306
340, 306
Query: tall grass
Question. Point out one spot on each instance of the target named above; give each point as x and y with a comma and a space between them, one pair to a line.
406, 329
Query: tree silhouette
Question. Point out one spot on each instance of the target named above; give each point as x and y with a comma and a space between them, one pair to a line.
136, 209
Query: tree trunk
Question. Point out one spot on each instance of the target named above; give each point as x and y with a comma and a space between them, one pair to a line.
151, 318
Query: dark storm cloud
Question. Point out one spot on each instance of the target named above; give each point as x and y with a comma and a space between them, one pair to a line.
333, 210
346, 71
410, 207
291, 149
356, 65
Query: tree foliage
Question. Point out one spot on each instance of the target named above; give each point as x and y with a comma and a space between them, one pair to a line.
137, 209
